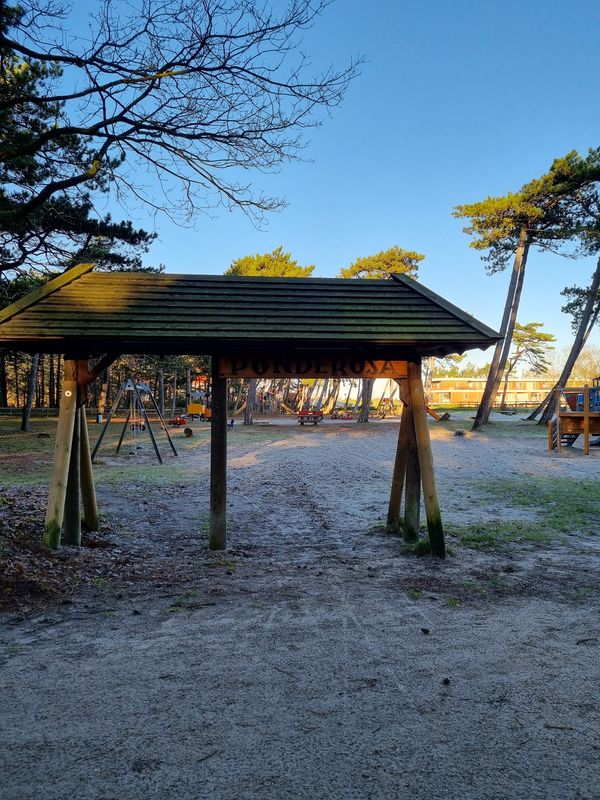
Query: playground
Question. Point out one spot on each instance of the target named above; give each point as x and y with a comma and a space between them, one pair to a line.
317, 656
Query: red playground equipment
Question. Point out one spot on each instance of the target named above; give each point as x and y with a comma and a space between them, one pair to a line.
310, 416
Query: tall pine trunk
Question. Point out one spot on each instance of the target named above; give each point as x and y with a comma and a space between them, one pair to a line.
367, 393
160, 378
506, 331
3, 382
174, 399
321, 399
103, 395
31, 382
250, 401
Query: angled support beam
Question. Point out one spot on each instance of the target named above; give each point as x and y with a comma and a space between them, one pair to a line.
62, 454
394, 523
91, 517
101, 365
218, 462
412, 503
432, 506
71, 533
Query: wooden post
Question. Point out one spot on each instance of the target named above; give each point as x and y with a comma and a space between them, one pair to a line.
412, 501
218, 462
91, 516
71, 534
586, 420
62, 455
558, 425
393, 518
550, 434
432, 507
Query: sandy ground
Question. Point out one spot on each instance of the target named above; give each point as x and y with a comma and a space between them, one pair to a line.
315, 658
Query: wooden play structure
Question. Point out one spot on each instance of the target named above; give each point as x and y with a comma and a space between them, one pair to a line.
251, 328
577, 413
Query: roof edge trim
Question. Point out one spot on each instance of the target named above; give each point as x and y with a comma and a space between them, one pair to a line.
53, 285
447, 305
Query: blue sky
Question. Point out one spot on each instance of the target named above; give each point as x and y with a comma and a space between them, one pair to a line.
457, 100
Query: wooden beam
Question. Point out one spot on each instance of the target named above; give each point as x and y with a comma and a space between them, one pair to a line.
558, 422
218, 462
432, 507
586, 419
62, 455
101, 365
48, 288
71, 533
91, 516
412, 501
394, 523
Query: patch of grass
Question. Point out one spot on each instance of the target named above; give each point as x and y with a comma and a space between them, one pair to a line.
223, 563
471, 586
100, 583
497, 583
15, 649
419, 548
377, 529
563, 504
414, 594
131, 474
498, 533
453, 602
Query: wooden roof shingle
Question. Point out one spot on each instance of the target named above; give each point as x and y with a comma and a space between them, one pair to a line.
85, 312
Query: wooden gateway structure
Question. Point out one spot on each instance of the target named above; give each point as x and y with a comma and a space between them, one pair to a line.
281, 327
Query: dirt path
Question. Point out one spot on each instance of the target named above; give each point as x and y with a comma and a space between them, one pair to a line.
315, 658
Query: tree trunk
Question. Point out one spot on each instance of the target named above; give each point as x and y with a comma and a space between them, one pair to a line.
238, 398
489, 395
508, 338
103, 395
250, 401
188, 388
16, 371
322, 395
331, 403
41, 384
3, 382
367, 393
504, 390
588, 316
31, 381
174, 401
160, 377
51, 384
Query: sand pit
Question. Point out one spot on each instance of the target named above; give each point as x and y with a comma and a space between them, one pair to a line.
315, 658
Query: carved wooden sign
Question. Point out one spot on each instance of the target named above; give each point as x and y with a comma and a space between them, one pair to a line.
311, 365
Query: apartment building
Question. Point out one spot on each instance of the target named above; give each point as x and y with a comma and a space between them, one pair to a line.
468, 391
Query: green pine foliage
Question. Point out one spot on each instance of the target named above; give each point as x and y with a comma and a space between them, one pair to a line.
381, 265
559, 212
277, 264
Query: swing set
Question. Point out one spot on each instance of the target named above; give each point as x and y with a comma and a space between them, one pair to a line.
136, 418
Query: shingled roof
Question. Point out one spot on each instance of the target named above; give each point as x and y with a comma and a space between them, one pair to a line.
82, 312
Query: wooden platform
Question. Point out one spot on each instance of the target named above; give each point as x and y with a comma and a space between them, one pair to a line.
568, 425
